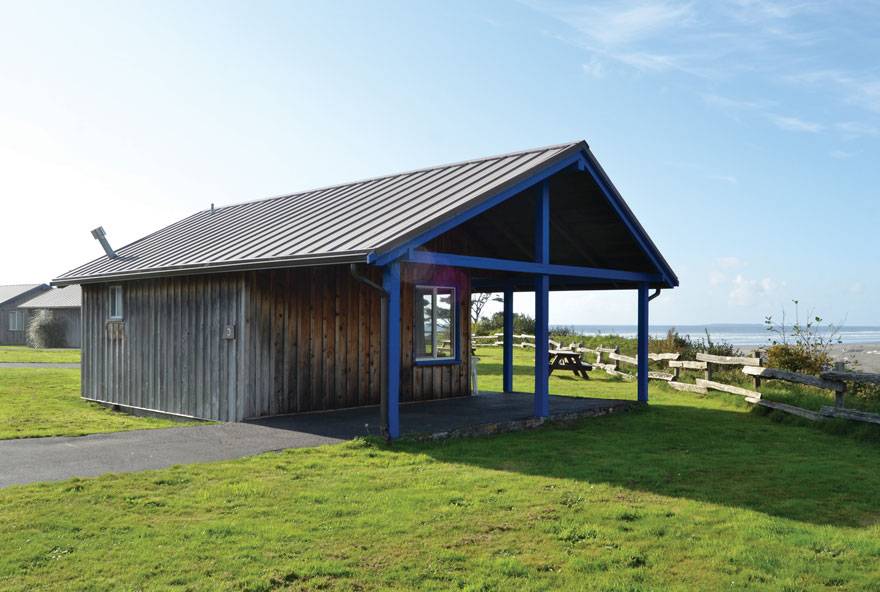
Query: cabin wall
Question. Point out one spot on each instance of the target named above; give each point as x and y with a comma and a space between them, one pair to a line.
306, 339
313, 341
168, 353
422, 383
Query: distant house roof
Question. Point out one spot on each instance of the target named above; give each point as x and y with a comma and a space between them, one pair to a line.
11, 292
349, 223
67, 297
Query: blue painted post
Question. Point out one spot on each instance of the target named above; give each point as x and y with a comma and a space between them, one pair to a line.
542, 304
643, 343
391, 283
508, 340
542, 346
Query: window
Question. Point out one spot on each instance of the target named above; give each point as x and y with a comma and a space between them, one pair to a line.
115, 303
16, 320
435, 334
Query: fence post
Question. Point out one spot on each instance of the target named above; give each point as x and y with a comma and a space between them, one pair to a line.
839, 395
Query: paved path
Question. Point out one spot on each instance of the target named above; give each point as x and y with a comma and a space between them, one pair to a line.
53, 459
38, 365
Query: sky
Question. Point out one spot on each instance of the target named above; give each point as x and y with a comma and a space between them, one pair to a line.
745, 135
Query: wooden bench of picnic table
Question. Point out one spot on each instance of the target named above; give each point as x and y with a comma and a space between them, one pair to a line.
564, 359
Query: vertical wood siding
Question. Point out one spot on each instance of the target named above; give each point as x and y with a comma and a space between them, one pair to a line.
306, 340
314, 341
168, 353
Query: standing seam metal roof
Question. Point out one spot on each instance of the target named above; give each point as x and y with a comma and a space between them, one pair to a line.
341, 223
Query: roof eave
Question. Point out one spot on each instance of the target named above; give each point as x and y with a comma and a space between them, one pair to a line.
212, 268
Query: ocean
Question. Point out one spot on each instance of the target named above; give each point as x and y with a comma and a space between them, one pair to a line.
735, 334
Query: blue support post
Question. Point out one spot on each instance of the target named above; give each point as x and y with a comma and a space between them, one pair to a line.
542, 346
508, 341
391, 283
542, 304
643, 343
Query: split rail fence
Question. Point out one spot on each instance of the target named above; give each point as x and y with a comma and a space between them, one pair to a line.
611, 360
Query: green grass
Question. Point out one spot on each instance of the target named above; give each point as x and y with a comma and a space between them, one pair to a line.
37, 402
691, 493
20, 353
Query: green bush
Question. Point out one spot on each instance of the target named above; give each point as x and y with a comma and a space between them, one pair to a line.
522, 324
45, 329
797, 358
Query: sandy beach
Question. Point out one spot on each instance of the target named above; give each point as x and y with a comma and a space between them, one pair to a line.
862, 357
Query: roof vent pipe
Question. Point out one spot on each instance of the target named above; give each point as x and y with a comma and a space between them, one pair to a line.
99, 235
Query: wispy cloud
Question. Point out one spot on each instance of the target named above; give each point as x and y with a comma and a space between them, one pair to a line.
795, 124
840, 154
746, 291
725, 178
766, 43
594, 68
860, 90
851, 130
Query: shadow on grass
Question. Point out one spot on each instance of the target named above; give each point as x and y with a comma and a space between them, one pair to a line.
710, 455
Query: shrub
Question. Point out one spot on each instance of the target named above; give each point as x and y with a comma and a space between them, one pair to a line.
804, 347
46, 329
522, 324
796, 358
688, 346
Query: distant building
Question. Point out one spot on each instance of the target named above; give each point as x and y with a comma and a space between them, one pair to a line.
13, 320
66, 304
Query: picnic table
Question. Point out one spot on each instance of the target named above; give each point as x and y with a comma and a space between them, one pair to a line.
564, 359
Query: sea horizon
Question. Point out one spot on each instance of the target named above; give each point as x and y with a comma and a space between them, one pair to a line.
739, 334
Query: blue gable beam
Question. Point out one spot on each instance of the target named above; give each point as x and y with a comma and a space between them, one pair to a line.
516, 266
592, 166
583, 160
462, 217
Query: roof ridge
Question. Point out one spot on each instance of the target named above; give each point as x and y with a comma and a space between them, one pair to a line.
399, 174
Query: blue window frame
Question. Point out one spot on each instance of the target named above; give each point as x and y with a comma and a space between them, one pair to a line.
435, 326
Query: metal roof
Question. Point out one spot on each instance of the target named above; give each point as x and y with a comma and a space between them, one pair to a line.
14, 291
67, 297
337, 224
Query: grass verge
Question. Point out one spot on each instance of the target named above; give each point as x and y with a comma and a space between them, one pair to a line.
36, 402
23, 354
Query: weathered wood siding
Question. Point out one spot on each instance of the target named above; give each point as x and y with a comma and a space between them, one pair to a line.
313, 341
168, 353
307, 339
422, 383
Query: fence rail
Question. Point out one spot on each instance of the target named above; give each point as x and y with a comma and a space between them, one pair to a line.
609, 359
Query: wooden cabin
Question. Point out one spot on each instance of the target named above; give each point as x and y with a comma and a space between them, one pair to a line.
13, 320
64, 304
353, 294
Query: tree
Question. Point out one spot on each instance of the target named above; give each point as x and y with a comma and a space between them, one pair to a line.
478, 303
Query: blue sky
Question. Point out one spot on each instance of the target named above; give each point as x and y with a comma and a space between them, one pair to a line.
743, 134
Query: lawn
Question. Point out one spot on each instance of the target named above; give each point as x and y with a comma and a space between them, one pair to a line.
691, 493
20, 353
38, 402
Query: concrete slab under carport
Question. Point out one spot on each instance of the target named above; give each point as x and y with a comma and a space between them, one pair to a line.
52, 459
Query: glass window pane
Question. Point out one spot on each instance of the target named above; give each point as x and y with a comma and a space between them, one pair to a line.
445, 323
423, 326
